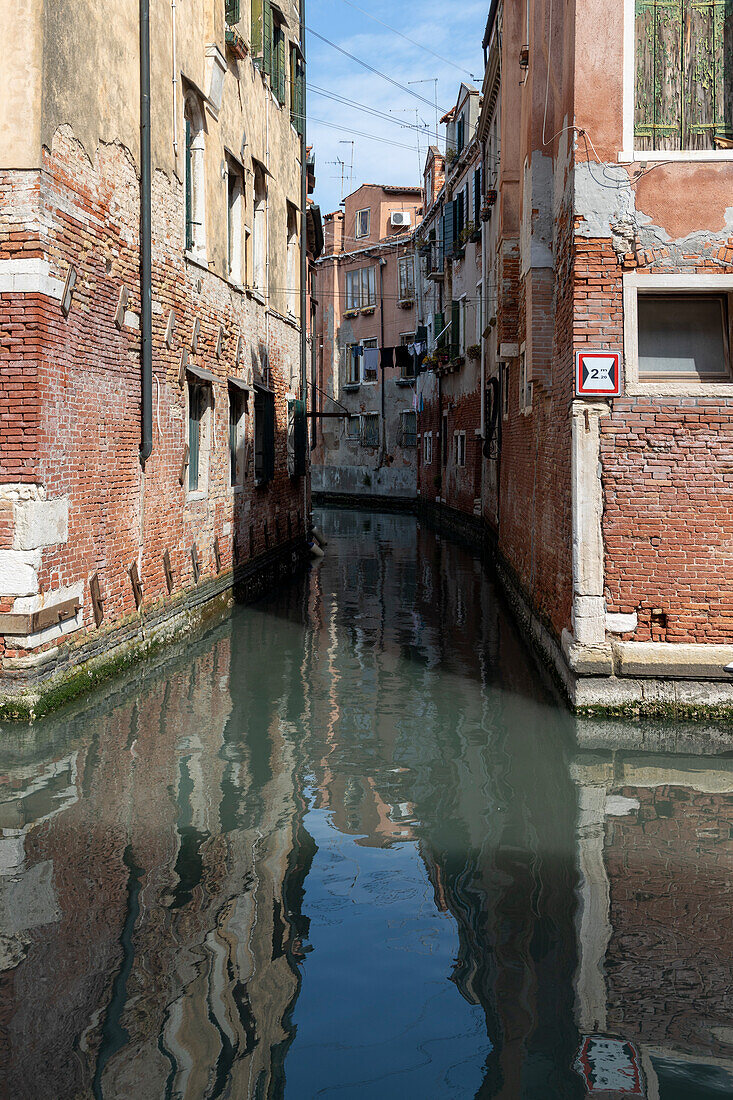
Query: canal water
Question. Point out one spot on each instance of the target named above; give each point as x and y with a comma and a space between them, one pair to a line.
349, 843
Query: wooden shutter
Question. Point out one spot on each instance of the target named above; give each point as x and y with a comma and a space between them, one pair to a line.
477, 195
267, 37
658, 114
708, 26
256, 29
448, 229
232, 12
455, 329
438, 326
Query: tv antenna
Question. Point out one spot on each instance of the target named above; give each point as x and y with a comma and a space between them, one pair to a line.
434, 81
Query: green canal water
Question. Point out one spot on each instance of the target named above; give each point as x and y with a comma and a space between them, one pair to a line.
349, 843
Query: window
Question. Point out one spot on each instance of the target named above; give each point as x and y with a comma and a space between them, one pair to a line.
353, 364
460, 133
504, 390
235, 201
363, 223
278, 72
407, 278
444, 439
268, 45
370, 430
354, 427
459, 442
457, 329
199, 401
259, 236
297, 86
477, 195
264, 435
231, 12
683, 337
427, 448
370, 370
409, 429
361, 288
407, 368
293, 265
297, 439
195, 181
237, 434
684, 74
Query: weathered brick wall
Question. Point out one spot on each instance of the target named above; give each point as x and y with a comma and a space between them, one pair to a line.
667, 473
668, 961
79, 378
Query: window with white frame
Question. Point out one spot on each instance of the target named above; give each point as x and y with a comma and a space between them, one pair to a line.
353, 364
195, 177
235, 203
259, 235
200, 406
427, 448
407, 279
237, 435
459, 451
683, 74
369, 367
353, 427
363, 223
293, 256
361, 288
407, 369
678, 331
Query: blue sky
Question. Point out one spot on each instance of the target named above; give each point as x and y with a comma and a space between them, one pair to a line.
454, 30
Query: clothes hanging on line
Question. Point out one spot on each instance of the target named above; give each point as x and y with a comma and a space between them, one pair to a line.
358, 350
403, 359
371, 360
387, 358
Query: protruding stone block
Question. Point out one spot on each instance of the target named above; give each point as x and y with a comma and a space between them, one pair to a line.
41, 523
19, 572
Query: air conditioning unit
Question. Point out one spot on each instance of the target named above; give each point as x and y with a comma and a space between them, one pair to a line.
400, 218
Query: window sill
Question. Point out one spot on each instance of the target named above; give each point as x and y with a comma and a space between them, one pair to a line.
351, 387
404, 381
369, 382
256, 295
196, 495
234, 490
198, 259
672, 155
679, 389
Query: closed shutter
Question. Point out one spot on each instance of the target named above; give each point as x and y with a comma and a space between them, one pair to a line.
301, 439
256, 30
232, 12
477, 195
264, 434
438, 326
280, 64
460, 218
455, 329
684, 67
448, 229
296, 92
267, 37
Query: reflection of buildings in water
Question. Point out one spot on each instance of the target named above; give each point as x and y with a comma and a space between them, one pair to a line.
655, 933
168, 852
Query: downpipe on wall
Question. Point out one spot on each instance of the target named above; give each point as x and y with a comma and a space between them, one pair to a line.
146, 295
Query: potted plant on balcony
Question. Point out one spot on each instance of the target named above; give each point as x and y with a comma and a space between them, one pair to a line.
451, 157
367, 311
406, 303
349, 313
474, 351
235, 43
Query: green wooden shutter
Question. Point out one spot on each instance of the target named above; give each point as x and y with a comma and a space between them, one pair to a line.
477, 195
438, 326
455, 328
256, 29
708, 81
282, 62
460, 207
232, 12
448, 229
724, 70
189, 185
658, 109
267, 37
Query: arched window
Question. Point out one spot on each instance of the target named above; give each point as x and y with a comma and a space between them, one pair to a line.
195, 178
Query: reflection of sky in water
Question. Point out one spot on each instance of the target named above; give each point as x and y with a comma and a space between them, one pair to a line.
376, 1016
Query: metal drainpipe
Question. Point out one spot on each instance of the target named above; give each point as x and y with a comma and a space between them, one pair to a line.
304, 251
146, 295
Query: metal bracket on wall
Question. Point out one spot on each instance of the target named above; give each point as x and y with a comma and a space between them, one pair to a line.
196, 564
182, 368
31, 622
137, 587
168, 568
217, 555
97, 599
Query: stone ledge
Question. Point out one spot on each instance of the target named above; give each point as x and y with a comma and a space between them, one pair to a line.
673, 660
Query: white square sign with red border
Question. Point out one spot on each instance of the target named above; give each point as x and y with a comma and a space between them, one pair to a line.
597, 373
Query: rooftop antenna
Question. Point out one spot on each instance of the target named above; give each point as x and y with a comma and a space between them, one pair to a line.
434, 81
342, 165
351, 166
418, 120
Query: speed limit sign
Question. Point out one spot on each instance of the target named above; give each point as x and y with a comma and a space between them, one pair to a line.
597, 373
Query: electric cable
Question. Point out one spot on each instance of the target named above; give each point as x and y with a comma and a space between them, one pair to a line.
412, 41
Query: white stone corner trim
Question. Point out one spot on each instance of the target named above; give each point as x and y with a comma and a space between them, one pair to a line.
29, 277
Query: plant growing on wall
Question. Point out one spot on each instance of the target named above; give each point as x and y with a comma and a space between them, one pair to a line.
474, 351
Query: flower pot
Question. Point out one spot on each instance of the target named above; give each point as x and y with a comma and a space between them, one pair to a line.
492, 196
235, 43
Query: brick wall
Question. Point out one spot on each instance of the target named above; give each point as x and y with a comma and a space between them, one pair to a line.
70, 387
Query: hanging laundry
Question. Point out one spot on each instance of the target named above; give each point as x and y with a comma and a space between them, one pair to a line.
371, 360
358, 350
387, 358
411, 349
403, 358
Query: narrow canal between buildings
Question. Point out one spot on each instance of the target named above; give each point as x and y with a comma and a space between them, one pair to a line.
349, 843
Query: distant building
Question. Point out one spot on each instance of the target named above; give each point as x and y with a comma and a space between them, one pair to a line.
366, 331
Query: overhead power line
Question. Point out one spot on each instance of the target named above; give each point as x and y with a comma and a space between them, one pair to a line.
412, 41
372, 111
359, 133
371, 69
